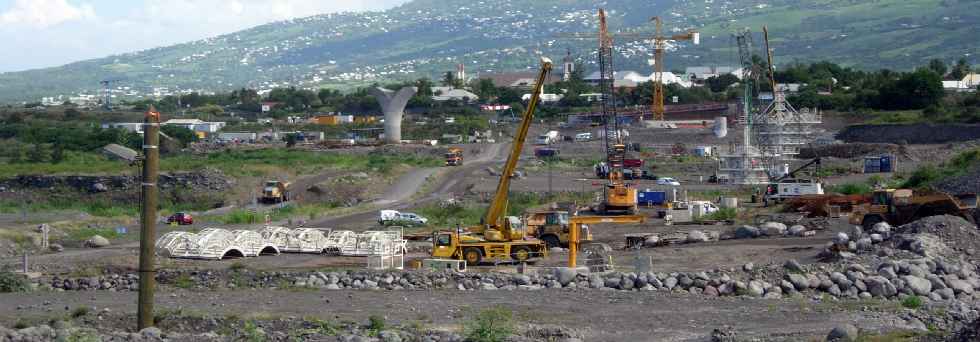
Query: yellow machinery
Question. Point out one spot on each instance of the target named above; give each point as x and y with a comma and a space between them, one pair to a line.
659, 46
551, 226
498, 237
275, 192
454, 156
901, 206
575, 224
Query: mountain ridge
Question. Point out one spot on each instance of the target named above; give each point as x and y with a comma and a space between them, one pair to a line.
424, 38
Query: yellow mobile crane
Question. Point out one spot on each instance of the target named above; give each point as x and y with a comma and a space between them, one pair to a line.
498, 237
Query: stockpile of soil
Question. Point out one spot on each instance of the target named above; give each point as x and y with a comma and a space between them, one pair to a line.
848, 151
910, 134
957, 233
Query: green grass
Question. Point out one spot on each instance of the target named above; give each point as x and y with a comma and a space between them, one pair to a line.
303, 211
235, 163
912, 302
82, 234
851, 189
74, 163
895, 117
928, 174
490, 325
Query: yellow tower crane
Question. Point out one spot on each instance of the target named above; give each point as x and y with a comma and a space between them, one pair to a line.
659, 47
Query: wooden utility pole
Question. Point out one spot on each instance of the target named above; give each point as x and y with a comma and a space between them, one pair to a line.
148, 198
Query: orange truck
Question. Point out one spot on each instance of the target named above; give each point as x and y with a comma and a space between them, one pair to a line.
454, 156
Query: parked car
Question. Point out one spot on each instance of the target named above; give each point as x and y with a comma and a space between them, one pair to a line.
182, 219
393, 217
668, 181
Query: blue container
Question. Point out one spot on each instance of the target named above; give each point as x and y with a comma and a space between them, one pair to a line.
886, 164
872, 165
651, 198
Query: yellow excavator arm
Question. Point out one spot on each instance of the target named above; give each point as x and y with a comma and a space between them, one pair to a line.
498, 206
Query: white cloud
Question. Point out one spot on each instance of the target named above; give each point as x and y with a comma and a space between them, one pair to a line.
45, 13
41, 31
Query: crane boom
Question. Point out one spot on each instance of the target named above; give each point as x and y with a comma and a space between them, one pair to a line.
772, 73
498, 206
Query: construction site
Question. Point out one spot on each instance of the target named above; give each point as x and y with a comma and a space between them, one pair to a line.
712, 222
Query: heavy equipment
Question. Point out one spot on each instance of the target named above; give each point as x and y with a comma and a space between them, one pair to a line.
454, 156
498, 237
901, 206
275, 192
552, 227
659, 47
617, 195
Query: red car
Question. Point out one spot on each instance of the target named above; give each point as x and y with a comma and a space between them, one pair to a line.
181, 219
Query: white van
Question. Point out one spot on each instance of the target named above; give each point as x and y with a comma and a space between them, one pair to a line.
587, 136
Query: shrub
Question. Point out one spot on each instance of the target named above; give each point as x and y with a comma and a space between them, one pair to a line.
722, 214
11, 282
376, 324
912, 302
79, 312
490, 325
852, 188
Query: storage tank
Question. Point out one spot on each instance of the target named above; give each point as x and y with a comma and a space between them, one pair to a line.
721, 127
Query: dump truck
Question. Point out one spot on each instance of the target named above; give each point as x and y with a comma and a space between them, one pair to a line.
454, 156
901, 206
275, 192
551, 226
498, 237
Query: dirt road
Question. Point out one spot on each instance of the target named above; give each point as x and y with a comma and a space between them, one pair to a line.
597, 315
404, 192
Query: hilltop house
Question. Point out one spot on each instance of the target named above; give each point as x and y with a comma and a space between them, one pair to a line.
441, 94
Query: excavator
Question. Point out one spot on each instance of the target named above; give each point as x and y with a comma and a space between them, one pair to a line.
497, 237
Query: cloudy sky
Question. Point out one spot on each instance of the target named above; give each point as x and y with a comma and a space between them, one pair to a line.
45, 33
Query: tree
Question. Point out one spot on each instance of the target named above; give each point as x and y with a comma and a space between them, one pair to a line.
291, 139
57, 153
448, 79
39, 154
211, 109
182, 134
960, 70
720, 83
485, 89
938, 66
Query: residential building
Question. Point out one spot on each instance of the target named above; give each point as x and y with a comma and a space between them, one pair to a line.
971, 80
136, 127
449, 93
518, 79
196, 125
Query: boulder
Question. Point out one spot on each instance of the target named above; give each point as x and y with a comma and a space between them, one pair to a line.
841, 238
959, 286
748, 267
97, 241
697, 236
879, 286
747, 232
797, 230
843, 333
773, 229
651, 241
565, 275
919, 286
793, 266
799, 281
756, 288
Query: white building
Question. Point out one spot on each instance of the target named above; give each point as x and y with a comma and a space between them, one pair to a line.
197, 125
449, 93
135, 127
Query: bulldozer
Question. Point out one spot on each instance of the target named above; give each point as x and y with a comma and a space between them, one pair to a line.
901, 206
498, 237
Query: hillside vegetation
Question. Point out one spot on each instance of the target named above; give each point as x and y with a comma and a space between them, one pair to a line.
425, 38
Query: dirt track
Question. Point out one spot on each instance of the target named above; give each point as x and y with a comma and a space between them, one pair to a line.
598, 315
